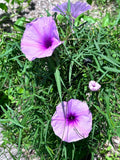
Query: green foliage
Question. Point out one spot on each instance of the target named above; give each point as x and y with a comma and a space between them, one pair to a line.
89, 2
3, 7
18, 25
108, 154
30, 91
106, 2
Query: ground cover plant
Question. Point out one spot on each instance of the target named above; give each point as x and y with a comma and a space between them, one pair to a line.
60, 92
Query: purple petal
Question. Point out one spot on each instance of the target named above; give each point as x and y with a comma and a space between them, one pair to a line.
81, 123
77, 106
61, 8
60, 110
80, 8
58, 120
40, 38
85, 124
76, 9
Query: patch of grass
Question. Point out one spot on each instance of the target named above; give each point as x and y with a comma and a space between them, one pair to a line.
89, 53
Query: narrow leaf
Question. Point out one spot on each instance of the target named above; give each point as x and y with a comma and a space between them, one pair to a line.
69, 6
110, 69
58, 82
70, 72
3, 7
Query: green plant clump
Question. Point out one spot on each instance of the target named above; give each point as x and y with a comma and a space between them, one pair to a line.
31, 90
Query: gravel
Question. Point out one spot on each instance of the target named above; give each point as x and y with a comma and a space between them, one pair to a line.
5, 152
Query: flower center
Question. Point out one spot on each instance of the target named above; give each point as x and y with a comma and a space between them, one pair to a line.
93, 85
71, 118
48, 42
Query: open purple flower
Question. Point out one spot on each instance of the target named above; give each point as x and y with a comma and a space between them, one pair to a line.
94, 86
76, 9
72, 120
40, 38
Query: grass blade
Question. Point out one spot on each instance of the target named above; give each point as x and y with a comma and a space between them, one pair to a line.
58, 82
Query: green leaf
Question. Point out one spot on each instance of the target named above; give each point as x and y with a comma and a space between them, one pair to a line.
90, 19
102, 76
106, 20
100, 110
117, 20
9, 119
12, 2
3, 7
70, 71
78, 20
12, 155
20, 139
110, 60
18, 1
48, 13
69, 6
110, 69
50, 151
89, 1
58, 82
61, 18
28, 1
18, 25
118, 131
97, 46
7, 1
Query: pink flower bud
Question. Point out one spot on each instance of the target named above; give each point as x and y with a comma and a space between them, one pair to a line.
94, 86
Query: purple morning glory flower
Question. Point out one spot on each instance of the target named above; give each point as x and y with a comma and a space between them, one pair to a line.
72, 120
94, 86
76, 9
40, 38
